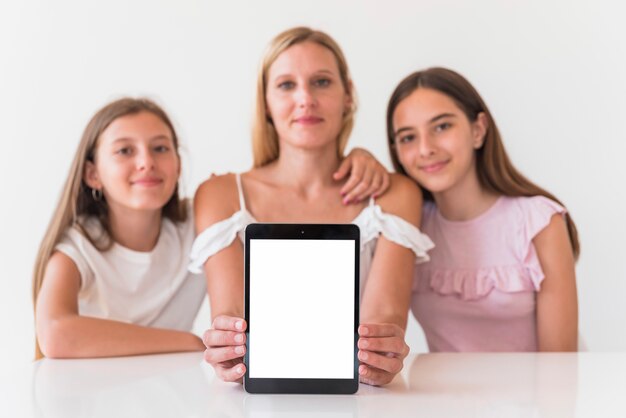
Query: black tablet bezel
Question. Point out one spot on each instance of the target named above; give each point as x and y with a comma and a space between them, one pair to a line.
302, 231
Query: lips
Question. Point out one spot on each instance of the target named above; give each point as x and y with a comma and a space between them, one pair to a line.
308, 120
434, 167
147, 182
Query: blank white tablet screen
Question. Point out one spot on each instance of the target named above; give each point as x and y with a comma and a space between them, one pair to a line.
302, 308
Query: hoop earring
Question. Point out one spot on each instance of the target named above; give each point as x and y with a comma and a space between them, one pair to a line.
96, 194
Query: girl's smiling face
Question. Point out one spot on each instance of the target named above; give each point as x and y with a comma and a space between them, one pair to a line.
435, 141
136, 164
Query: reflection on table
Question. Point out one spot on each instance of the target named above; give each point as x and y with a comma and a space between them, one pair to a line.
442, 385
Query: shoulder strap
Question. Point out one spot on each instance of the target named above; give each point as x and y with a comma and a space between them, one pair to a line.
242, 201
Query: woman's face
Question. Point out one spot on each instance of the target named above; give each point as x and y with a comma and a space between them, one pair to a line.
136, 164
305, 97
435, 140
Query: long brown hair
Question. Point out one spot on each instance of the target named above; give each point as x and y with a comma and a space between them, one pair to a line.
264, 136
77, 204
495, 171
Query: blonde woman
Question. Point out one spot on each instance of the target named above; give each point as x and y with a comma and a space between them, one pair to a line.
304, 116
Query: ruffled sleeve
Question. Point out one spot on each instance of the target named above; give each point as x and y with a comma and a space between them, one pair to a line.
537, 211
373, 222
217, 237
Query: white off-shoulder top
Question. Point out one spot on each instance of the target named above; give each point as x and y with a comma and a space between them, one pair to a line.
372, 222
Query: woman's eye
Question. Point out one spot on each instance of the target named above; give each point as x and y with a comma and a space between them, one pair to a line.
286, 85
161, 148
322, 82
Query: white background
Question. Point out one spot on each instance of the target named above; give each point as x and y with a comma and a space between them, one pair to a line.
302, 308
553, 73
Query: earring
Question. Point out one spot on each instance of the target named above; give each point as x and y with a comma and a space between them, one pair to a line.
96, 194
347, 110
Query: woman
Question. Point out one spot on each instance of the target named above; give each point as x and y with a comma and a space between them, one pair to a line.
305, 109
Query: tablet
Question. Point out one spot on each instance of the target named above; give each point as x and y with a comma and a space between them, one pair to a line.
302, 308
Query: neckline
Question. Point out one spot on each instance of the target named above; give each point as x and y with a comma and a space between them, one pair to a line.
93, 226
477, 219
141, 256
243, 208
370, 206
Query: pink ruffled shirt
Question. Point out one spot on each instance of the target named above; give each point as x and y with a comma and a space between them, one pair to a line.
478, 292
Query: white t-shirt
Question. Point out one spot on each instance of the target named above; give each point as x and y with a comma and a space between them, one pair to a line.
145, 288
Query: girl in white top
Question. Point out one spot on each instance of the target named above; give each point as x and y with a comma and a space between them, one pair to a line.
305, 108
111, 276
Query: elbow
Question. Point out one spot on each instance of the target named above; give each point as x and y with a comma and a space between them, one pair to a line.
54, 338
559, 349
562, 345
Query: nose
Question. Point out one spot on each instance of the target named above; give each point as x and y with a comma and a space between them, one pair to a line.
305, 96
426, 146
145, 159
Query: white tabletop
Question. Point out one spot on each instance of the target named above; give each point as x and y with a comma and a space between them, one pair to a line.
431, 385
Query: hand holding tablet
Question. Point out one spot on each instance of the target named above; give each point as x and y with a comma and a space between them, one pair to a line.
300, 342
226, 346
382, 350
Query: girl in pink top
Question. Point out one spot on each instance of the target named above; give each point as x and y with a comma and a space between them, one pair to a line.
501, 275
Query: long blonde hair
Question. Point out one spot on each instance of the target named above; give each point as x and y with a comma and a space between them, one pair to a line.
264, 136
495, 170
77, 203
